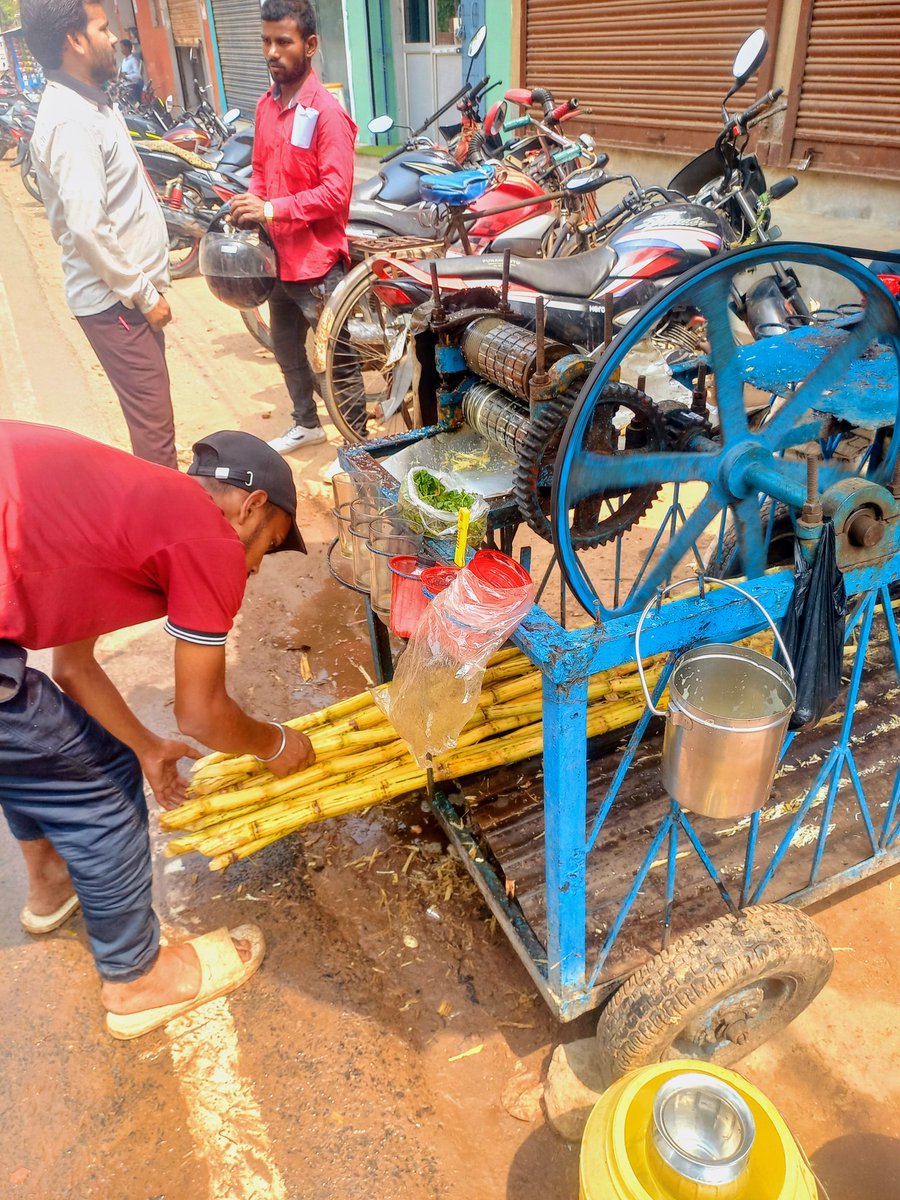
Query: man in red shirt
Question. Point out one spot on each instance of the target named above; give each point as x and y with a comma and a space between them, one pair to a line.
300, 188
93, 540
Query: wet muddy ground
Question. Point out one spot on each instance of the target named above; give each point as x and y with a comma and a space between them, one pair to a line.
378, 1052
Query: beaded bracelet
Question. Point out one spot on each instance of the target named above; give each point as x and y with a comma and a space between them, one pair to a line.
280, 749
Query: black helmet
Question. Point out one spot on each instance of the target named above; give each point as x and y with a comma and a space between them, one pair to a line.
240, 265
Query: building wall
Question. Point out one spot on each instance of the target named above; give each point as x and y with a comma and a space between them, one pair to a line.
156, 47
840, 190
210, 54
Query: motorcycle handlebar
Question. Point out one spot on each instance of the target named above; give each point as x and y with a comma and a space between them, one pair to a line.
763, 103
463, 91
544, 97
611, 214
563, 110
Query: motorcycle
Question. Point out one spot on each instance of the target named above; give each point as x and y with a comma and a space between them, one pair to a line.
651, 236
190, 191
18, 125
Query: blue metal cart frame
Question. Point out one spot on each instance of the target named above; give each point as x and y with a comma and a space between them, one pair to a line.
571, 976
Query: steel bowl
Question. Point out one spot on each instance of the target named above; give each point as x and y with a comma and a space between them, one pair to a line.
703, 1129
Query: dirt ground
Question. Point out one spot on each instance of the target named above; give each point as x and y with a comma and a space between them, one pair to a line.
334, 1074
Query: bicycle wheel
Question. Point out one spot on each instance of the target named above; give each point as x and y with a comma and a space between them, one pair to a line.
366, 360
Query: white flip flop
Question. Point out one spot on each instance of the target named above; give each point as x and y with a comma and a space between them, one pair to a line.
36, 925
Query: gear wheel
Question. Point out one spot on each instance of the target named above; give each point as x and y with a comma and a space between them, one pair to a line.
532, 474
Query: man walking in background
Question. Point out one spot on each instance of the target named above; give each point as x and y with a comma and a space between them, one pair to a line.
131, 71
300, 189
104, 216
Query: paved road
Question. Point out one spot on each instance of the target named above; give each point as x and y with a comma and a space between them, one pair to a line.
330, 1076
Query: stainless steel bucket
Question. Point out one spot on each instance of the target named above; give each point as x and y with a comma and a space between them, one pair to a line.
728, 712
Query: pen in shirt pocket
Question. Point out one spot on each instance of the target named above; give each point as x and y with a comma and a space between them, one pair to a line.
124, 324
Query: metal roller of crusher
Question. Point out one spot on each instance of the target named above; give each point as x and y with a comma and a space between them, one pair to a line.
508, 355
497, 417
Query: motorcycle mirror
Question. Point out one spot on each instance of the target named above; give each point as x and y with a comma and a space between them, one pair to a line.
478, 38
588, 179
749, 58
380, 124
587, 141
231, 116
499, 120
170, 103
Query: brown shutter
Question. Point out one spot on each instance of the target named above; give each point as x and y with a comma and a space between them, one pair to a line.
844, 109
185, 22
648, 73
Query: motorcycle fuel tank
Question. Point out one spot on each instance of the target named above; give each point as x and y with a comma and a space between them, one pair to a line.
667, 241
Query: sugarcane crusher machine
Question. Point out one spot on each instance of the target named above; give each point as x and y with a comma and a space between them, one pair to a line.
686, 931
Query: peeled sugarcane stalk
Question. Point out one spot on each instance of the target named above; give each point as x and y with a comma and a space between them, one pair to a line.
280, 819
239, 807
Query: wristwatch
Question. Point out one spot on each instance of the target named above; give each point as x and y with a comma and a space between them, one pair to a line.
268, 212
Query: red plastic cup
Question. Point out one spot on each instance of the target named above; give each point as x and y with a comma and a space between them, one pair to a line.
498, 569
435, 579
408, 601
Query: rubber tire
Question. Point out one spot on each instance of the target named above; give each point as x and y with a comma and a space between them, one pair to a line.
258, 327
780, 551
342, 315
29, 179
642, 1022
182, 268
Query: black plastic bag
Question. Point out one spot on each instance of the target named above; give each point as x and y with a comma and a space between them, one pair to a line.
813, 629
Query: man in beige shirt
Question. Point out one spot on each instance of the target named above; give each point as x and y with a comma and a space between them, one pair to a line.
104, 215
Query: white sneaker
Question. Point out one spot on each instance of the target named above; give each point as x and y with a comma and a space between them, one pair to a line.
297, 437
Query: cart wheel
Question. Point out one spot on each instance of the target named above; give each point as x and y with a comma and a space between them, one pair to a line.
718, 992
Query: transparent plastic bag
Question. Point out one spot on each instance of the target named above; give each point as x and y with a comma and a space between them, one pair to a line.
437, 682
439, 522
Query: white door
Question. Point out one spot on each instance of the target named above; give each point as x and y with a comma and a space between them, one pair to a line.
431, 57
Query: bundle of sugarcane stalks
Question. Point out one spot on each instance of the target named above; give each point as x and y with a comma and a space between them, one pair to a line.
237, 807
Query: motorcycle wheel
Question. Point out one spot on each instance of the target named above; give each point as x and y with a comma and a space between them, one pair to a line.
29, 178
257, 322
362, 335
184, 257
184, 253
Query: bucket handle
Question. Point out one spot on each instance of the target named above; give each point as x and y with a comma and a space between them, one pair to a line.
703, 579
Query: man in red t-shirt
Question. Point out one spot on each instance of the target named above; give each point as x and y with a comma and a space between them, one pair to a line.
94, 540
300, 189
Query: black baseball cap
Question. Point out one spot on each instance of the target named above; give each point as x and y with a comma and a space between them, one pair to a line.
248, 462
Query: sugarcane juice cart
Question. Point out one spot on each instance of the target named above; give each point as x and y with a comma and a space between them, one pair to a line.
615, 895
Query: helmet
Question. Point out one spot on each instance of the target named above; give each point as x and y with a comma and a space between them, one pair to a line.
240, 265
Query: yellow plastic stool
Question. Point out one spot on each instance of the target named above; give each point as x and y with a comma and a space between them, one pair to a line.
619, 1163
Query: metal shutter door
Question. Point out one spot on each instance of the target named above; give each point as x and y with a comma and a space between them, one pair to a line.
846, 102
244, 70
185, 22
648, 73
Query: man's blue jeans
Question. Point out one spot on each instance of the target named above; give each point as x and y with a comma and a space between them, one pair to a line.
63, 777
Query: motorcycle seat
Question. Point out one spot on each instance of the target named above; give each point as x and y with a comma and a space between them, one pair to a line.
403, 222
578, 277
457, 189
161, 146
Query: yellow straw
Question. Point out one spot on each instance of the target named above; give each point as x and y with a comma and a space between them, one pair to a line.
462, 532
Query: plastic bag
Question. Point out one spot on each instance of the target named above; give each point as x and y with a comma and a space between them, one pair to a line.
439, 522
813, 629
437, 682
